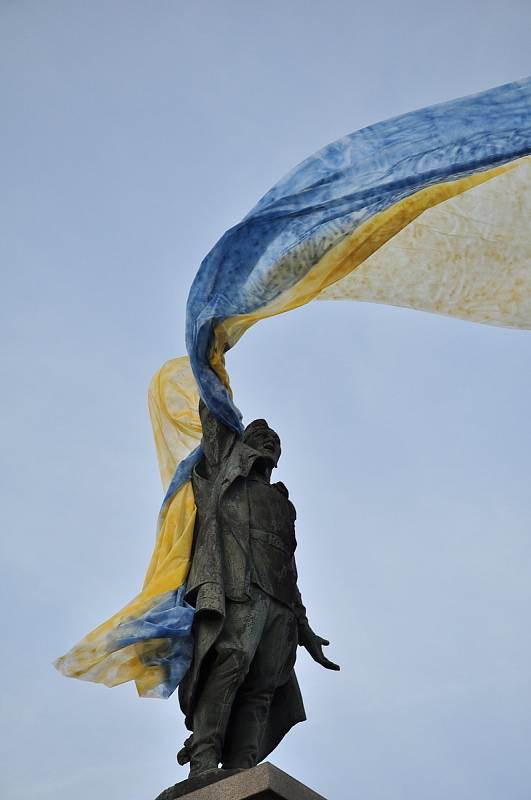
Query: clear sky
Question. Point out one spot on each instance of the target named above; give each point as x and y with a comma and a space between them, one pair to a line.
133, 134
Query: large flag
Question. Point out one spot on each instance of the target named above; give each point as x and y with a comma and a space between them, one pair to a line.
429, 210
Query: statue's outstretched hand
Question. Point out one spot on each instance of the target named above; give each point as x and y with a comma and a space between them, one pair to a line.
314, 645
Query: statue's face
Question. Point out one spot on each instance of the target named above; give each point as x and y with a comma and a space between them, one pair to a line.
262, 438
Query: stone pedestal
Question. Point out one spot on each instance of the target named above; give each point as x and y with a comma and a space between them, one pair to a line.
264, 782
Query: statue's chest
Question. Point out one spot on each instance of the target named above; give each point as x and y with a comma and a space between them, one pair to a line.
269, 509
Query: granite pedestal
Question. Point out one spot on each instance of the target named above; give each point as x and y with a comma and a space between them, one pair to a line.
264, 782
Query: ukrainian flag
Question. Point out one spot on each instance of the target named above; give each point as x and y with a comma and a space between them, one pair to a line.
429, 210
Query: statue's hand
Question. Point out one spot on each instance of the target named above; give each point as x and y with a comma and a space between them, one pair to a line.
314, 645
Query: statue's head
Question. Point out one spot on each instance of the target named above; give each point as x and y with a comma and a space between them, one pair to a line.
264, 439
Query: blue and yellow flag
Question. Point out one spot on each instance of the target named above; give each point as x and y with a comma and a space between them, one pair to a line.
429, 210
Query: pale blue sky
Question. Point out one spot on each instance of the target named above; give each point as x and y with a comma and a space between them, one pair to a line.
133, 134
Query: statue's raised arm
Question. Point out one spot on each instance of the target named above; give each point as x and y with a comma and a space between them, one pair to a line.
217, 442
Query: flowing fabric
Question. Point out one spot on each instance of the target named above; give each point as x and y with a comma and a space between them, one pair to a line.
429, 210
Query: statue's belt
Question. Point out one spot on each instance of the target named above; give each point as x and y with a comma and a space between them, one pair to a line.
273, 539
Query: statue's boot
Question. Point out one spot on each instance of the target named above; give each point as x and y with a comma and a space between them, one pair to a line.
269, 669
247, 725
213, 709
203, 761
200, 771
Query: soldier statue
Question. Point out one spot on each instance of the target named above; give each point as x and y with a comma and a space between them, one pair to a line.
240, 695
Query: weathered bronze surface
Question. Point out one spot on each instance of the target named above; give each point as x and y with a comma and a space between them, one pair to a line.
241, 696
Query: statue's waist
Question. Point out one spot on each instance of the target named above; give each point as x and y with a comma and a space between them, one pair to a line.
284, 543
271, 564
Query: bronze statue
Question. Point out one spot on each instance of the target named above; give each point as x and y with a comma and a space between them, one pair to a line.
240, 695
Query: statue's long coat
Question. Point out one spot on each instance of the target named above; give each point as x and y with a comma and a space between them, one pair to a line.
221, 567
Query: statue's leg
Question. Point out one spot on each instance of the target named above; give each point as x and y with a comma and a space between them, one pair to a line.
225, 670
270, 668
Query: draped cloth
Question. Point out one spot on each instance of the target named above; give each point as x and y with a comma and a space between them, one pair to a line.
429, 210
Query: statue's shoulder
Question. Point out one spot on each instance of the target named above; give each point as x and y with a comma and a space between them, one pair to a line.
283, 489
